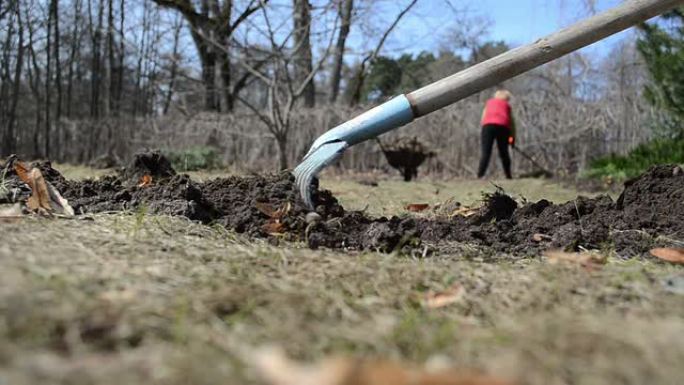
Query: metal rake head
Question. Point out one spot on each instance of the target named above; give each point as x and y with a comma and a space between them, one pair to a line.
314, 162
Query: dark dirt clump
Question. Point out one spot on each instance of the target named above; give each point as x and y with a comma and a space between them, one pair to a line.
649, 211
151, 163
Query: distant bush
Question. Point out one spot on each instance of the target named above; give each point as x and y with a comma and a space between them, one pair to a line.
657, 151
194, 158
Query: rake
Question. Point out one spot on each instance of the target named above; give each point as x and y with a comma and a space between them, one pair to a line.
403, 109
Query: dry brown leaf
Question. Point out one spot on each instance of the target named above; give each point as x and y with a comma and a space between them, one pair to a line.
145, 181
40, 197
281, 212
277, 369
588, 260
670, 254
464, 211
22, 170
435, 300
273, 227
417, 207
271, 212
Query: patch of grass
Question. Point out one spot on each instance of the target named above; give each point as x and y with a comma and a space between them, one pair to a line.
621, 167
80, 172
391, 196
83, 301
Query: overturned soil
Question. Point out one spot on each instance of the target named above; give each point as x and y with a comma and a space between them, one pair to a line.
650, 211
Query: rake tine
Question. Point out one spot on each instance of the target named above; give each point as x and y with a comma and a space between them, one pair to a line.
312, 164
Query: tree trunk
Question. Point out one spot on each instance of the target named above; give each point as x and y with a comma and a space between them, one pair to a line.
9, 141
345, 13
122, 54
95, 34
226, 79
208, 58
109, 79
34, 83
5, 73
174, 65
48, 78
75, 47
58, 82
303, 57
281, 140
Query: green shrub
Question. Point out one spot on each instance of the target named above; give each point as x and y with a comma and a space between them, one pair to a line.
657, 151
194, 158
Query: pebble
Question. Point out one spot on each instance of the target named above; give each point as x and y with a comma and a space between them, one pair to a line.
312, 217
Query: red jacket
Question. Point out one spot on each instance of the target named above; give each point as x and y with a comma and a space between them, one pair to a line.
497, 111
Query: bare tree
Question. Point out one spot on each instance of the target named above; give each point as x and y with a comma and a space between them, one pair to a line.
283, 88
213, 23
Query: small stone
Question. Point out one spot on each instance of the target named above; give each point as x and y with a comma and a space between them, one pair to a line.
313, 217
677, 170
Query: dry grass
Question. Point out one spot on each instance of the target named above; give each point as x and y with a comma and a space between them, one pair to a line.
392, 195
134, 298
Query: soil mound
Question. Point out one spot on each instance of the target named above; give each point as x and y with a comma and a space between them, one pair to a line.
152, 164
649, 212
245, 202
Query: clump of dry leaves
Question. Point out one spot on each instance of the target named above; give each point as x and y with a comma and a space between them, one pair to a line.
44, 199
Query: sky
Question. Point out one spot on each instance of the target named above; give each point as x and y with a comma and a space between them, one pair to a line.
516, 22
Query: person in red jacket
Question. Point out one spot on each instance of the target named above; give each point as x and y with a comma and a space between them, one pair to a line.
497, 125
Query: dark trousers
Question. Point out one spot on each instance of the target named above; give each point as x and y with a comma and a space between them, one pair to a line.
491, 133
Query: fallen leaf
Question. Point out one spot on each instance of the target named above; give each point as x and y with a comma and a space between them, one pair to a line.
145, 181
670, 254
22, 170
273, 228
271, 212
464, 211
435, 300
538, 237
282, 211
40, 197
588, 260
58, 203
417, 207
276, 369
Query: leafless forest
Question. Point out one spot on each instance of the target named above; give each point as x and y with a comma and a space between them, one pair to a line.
259, 80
